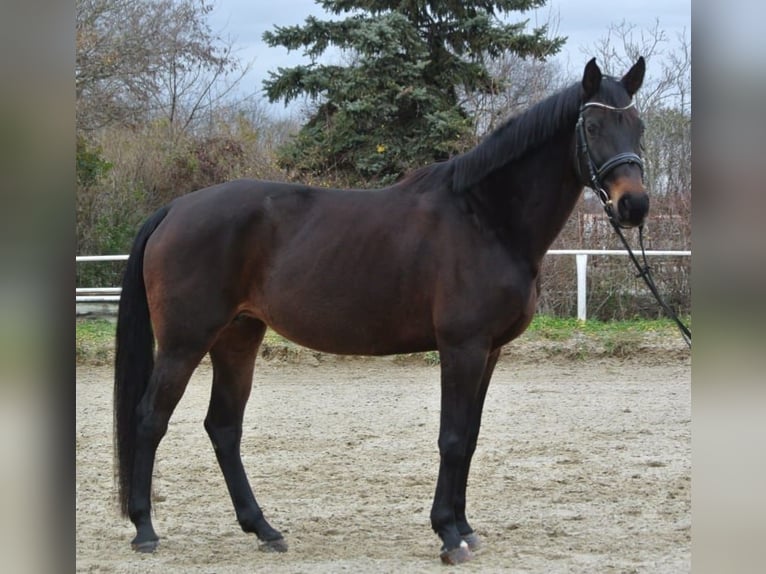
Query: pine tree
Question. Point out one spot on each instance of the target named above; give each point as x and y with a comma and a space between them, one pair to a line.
396, 105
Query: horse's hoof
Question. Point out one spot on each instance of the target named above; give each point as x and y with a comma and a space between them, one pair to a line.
145, 547
473, 540
277, 545
457, 555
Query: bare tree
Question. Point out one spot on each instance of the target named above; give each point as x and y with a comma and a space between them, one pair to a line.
142, 59
525, 81
668, 84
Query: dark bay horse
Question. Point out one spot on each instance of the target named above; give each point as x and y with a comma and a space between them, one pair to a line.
446, 259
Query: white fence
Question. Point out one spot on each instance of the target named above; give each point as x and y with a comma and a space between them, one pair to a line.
112, 294
98, 294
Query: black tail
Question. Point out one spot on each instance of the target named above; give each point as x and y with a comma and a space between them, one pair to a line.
134, 358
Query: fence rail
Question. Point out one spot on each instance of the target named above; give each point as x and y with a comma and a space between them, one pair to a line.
112, 294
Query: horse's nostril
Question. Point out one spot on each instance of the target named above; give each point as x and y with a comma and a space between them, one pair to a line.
633, 207
624, 203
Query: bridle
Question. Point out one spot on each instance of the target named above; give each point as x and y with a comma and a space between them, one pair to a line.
597, 174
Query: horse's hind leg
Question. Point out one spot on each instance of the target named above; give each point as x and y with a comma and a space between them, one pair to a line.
233, 356
166, 386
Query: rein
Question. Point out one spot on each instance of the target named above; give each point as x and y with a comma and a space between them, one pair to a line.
645, 273
597, 174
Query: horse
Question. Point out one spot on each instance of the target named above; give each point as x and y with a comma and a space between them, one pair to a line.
446, 259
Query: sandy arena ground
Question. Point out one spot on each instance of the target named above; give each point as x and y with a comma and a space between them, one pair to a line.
582, 466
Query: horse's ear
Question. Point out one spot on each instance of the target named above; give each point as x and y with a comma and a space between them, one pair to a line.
635, 77
591, 79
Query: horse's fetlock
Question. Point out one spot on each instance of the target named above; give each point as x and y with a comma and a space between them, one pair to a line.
250, 520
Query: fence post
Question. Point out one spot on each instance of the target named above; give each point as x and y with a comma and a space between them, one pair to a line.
582, 293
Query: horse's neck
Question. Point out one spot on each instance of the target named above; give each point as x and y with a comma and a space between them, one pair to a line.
534, 196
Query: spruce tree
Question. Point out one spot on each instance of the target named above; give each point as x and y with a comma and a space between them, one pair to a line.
396, 104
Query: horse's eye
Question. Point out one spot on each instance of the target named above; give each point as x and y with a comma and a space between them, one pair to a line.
592, 128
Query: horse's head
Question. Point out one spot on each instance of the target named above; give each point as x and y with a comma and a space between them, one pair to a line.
608, 143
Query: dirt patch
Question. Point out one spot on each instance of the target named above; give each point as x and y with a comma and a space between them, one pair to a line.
582, 466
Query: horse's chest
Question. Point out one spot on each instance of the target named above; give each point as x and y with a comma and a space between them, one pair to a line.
513, 302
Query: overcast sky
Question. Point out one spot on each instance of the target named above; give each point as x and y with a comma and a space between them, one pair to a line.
583, 22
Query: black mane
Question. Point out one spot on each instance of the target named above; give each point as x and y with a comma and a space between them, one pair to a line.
517, 136
525, 132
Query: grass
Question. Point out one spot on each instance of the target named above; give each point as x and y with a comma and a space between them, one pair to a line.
558, 329
577, 339
94, 341
619, 339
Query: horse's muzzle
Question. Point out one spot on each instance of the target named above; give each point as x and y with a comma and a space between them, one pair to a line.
632, 208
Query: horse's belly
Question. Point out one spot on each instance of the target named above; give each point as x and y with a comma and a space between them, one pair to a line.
354, 337
352, 327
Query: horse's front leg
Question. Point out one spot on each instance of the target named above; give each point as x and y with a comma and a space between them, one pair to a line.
462, 370
466, 532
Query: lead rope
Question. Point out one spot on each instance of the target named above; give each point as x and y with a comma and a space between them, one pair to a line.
645, 274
